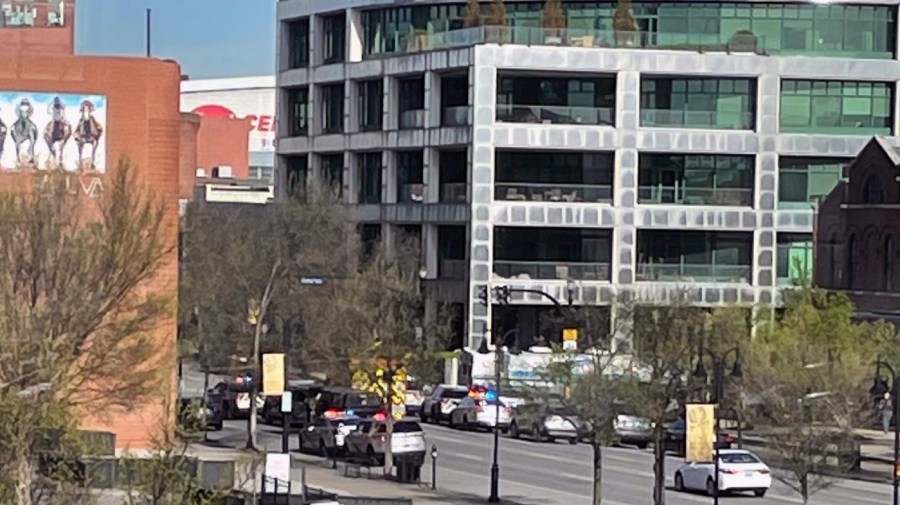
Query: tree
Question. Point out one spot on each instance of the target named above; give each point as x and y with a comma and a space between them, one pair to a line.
554, 17
498, 14
472, 14
624, 23
807, 382
78, 311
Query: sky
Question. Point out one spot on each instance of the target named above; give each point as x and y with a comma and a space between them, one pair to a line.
210, 38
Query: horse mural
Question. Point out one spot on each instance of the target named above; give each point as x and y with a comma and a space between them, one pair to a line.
88, 131
3, 131
24, 130
57, 133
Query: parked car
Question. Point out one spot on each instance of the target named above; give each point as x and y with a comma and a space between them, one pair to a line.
739, 470
233, 399
544, 422
413, 402
443, 400
632, 429
326, 437
191, 414
335, 401
675, 442
474, 413
301, 394
369, 441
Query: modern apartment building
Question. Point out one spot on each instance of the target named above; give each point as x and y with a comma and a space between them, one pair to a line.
683, 153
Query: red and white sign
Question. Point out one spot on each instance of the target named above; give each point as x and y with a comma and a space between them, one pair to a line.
243, 97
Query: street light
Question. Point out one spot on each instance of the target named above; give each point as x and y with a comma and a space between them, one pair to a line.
287, 418
894, 389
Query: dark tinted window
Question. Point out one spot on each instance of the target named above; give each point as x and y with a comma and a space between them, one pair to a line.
363, 400
407, 427
454, 394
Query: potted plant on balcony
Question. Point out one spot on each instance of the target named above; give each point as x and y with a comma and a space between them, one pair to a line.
554, 22
496, 29
743, 41
624, 25
472, 14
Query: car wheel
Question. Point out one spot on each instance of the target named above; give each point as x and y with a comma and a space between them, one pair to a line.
423, 415
679, 482
323, 451
711, 488
759, 493
641, 445
217, 426
435, 416
573, 440
513, 431
536, 434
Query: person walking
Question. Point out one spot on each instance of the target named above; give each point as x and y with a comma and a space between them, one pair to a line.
887, 412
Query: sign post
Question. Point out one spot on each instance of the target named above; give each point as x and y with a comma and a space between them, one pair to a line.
570, 339
273, 374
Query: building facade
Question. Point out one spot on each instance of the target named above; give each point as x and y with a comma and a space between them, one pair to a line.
684, 153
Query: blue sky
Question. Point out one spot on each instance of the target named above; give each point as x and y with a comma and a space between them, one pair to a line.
210, 38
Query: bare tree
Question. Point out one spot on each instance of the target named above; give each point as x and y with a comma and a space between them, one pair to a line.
78, 310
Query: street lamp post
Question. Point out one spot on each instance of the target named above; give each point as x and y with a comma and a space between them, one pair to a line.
287, 417
895, 401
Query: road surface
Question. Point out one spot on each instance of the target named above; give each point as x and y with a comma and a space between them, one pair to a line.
560, 474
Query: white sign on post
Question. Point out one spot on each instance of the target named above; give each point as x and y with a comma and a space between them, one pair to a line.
278, 473
287, 402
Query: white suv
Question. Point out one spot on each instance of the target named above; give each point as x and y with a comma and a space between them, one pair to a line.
369, 441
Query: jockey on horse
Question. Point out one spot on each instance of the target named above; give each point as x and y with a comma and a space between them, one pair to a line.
58, 130
24, 130
88, 131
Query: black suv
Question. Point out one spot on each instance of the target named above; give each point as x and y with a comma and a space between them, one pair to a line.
345, 401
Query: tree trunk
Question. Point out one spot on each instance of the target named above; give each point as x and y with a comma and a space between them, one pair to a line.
804, 489
659, 470
389, 422
24, 478
251, 420
598, 473
204, 397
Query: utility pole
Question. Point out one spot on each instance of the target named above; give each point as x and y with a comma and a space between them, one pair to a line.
148, 32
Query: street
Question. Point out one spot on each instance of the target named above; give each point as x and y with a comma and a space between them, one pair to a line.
560, 474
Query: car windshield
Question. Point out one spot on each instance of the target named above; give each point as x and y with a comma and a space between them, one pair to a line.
454, 394
739, 458
407, 427
363, 400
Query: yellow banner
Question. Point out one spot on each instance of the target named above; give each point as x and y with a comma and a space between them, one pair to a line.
570, 334
700, 433
273, 374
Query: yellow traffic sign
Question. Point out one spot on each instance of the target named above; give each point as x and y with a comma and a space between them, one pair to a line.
570, 334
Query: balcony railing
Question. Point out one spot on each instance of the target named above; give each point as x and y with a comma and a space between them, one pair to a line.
552, 270
684, 272
548, 192
552, 114
411, 193
453, 192
453, 269
30, 13
680, 195
698, 42
455, 116
698, 119
412, 118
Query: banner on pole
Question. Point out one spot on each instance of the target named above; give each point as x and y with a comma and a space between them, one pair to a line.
273, 374
700, 432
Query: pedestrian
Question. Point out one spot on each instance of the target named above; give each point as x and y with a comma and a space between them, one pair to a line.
887, 412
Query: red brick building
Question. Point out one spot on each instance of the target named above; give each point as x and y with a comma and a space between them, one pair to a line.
37, 26
858, 232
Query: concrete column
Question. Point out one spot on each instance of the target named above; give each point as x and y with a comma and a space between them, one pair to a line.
432, 112
354, 35
351, 177
431, 175
389, 177
391, 104
430, 249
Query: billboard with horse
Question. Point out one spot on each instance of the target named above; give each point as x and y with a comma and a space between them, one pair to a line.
50, 131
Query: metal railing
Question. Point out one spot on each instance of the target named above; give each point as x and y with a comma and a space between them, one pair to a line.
552, 270
549, 192
681, 195
411, 193
453, 192
455, 116
686, 272
698, 119
553, 114
453, 269
412, 118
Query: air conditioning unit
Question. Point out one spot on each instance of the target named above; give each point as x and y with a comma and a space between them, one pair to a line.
201, 173
222, 172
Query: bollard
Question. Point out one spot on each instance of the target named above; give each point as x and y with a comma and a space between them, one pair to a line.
434, 456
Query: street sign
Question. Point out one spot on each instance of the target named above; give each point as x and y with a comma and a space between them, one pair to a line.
273, 374
570, 345
570, 335
278, 473
287, 402
312, 281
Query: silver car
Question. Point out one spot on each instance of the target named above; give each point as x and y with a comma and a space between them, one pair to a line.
369, 441
545, 423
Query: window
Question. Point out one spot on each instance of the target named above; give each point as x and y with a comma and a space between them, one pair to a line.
333, 38
371, 105
332, 170
261, 173
699, 103
874, 191
794, 260
370, 178
802, 181
298, 43
852, 261
298, 111
696, 179
863, 108
333, 108
412, 103
296, 168
889, 263
557, 100
410, 185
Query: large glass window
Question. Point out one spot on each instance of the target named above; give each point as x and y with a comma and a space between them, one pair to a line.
802, 181
298, 111
331, 168
298, 43
410, 177
696, 179
839, 107
369, 177
552, 253
332, 108
334, 37
296, 169
695, 256
698, 102
553, 176
371, 105
794, 263
412, 102
562, 100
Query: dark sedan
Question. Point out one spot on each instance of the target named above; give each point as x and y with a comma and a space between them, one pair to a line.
675, 442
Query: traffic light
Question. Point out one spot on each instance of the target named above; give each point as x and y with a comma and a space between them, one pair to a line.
483, 296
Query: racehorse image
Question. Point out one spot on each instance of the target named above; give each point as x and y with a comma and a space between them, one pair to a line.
3, 132
57, 133
88, 131
24, 130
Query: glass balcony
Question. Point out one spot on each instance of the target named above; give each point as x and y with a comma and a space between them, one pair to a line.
455, 116
698, 119
681, 195
453, 269
411, 193
412, 118
453, 192
690, 272
552, 270
551, 114
549, 192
